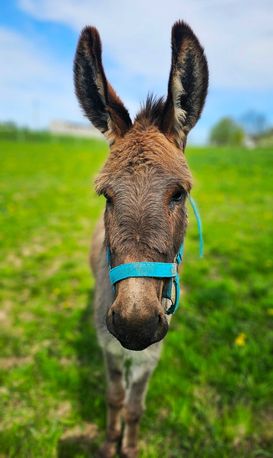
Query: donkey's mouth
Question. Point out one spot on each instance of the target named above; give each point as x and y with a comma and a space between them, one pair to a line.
139, 344
134, 346
137, 333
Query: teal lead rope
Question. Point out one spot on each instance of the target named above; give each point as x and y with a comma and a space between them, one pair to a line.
166, 270
199, 225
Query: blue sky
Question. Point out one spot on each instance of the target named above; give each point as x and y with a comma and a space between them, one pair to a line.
38, 40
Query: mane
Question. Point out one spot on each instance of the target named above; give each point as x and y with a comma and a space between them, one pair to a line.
151, 111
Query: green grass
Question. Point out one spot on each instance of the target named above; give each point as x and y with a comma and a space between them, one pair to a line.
211, 394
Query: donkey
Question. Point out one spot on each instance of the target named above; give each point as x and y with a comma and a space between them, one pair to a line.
145, 181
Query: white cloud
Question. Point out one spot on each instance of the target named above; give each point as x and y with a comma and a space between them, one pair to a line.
32, 84
237, 35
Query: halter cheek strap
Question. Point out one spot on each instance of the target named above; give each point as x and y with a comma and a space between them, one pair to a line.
164, 270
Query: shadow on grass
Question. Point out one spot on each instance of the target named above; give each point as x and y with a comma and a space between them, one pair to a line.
84, 440
79, 442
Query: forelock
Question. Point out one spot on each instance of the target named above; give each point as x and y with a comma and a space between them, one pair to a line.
142, 150
151, 112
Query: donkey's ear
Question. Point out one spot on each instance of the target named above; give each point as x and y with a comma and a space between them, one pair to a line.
188, 83
98, 99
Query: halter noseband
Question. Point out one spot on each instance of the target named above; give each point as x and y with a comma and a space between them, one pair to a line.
166, 270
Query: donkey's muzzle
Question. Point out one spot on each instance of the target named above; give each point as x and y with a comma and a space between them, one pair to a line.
136, 332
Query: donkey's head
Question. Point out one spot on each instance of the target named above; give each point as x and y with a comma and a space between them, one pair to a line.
146, 177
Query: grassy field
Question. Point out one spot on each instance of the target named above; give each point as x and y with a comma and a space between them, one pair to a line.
212, 393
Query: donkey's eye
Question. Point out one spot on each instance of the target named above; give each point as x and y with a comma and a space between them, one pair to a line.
178, 196
109, 199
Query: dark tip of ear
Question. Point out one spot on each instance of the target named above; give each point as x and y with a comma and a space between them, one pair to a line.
182, 31
90, 39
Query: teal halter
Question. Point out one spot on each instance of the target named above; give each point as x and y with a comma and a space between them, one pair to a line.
166, 270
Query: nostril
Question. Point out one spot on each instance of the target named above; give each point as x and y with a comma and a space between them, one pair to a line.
159, 318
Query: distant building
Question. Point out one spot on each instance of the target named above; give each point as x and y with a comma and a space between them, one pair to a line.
74, 129
249, 142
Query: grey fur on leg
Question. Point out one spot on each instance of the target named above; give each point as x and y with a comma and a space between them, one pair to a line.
115, 402
134, 408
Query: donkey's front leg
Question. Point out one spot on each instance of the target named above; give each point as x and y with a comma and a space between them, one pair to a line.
133, 410
115, 401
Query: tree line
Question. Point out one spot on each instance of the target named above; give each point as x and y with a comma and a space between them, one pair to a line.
252, 129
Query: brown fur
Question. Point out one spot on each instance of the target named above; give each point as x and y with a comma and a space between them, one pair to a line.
145, 180
141, 174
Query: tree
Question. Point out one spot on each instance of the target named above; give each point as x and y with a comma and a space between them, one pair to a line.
227, 132
254, 123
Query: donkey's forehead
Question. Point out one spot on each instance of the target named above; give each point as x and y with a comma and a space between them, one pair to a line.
144, 153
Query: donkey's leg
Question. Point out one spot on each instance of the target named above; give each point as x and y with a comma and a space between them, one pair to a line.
115, 401
134, 408
115, 395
